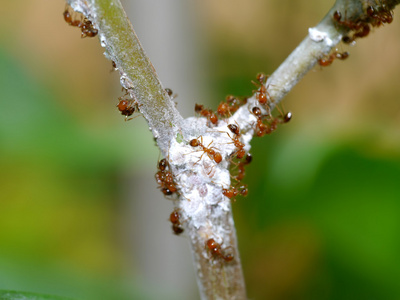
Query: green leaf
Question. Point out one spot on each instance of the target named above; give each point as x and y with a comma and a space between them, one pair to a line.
13, 295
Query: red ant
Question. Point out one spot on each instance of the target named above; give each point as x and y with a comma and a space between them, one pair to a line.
262, 94
240, 152
233, 191
88, 29
176, 223
327, 60
85, 25
165, 178
228, 107
384, 16
209, 114
212, 154
241, 172
126, 107
68, 18
216, 250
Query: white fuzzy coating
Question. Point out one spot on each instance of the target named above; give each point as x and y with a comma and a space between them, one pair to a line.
319, 36
199, 178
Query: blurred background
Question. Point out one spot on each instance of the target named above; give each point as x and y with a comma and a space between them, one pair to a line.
80, 213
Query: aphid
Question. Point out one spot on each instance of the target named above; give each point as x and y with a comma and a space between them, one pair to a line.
211, 153
176, 223
216, 250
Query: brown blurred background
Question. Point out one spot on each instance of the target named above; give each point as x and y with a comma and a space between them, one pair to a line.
80, 215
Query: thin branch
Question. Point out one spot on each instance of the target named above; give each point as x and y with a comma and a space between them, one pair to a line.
319, 42
138, 76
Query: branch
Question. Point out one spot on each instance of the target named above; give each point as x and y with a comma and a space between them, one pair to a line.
138, 75
200, 151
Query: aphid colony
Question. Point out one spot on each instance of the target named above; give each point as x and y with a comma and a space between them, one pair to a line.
263, 123
77, 20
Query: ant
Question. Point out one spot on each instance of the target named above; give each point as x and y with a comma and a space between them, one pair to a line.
327, 60
384, 16
85, 24
262, 94
176, 223
241, 172
165, 178
240, 152
126, 107
212, 154
228, 107
233, 192
216, 250
208, 113
88, 29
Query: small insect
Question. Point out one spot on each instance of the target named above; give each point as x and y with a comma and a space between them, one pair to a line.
240, 152
126, 108
229, 106
217, 251
208, 113
241, 170
262, 93
233, 191
287, 117
84, 24
165, 178
176, 223
327, 60
87, 29
69, 17
211, 153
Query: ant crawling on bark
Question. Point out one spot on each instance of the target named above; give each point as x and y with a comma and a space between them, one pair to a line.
165, 178
240, 152
233, 191
84, 24
262, 93
211, 153
229, 106
217, 251
241, 171
328, 60
208, 113
176, 223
